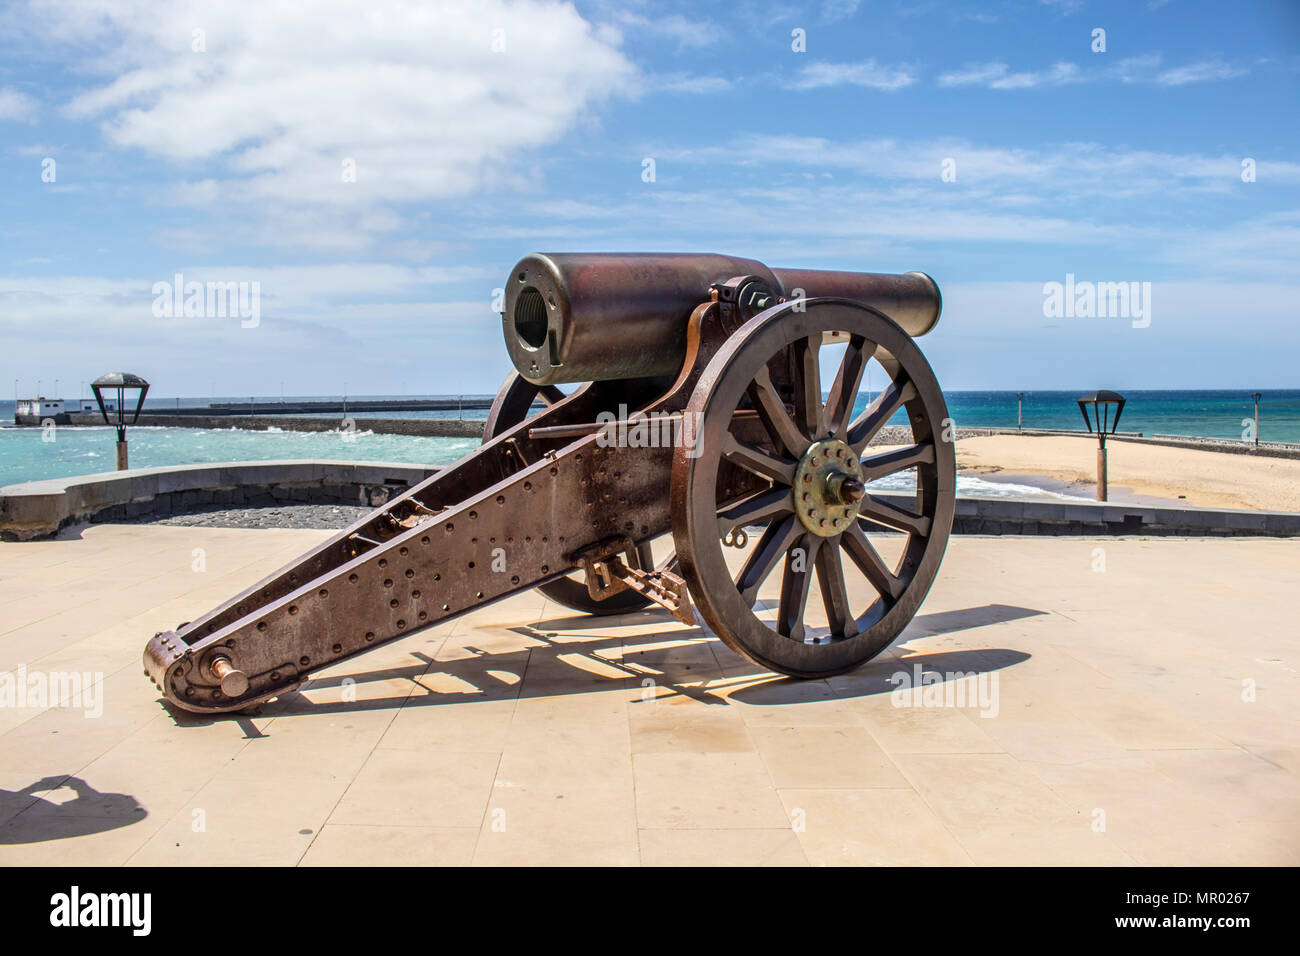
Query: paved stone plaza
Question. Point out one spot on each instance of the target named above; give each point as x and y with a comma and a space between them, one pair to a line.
1146, 713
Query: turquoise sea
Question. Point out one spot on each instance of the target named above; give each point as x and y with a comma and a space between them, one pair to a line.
25, 455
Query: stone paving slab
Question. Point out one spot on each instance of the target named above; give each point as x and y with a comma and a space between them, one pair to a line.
1123, 702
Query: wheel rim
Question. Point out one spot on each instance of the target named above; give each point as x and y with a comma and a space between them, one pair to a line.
800, 535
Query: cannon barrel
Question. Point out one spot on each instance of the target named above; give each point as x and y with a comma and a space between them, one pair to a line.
578, 317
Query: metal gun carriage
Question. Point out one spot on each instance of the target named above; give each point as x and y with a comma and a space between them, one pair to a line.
722, 355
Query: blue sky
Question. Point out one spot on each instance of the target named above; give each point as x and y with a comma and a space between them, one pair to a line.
210, 139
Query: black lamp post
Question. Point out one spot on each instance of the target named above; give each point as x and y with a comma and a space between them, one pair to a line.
122, 382
1020, 411
1100, 402
1256, 396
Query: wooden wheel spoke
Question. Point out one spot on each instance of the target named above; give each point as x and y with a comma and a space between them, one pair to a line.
756, 509
882, 512
776, 539
549, 394
808, 411
844, 391
795, 583
771, 411
880, 411
891, 462
758, 461
864, 554
835, 593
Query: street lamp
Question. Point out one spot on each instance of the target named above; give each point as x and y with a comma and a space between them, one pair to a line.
1256, 396
1020, 409
1100, 402
122, 382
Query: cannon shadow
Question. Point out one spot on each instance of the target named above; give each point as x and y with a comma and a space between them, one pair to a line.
689, 667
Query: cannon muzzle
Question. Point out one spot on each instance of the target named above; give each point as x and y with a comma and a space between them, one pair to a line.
580, 317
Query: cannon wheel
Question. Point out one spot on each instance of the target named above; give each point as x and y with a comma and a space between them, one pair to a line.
512, 405
818, 450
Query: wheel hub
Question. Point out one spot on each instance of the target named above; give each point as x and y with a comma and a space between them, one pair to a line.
828, 487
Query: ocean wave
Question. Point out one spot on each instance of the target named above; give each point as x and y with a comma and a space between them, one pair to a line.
970, 486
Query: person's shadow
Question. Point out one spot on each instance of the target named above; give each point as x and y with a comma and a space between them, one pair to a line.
28, 818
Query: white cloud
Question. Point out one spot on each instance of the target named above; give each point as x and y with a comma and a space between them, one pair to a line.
686, 83
686, 32
36, 149
320, 292
1066, 7
818, 200
1136, 69
835, 10
1084, 169
975, 74
1209, 71
1194, 307
320, 326
16, 106
998, 76
867, 73
285, 92
1264, 245
1186, 343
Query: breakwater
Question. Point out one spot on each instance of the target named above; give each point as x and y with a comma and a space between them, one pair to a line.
431, 427
342, 406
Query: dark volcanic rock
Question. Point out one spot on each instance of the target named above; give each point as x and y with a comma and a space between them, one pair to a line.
283, 515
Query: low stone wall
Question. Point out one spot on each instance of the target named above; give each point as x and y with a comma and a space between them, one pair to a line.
40, 508
1102, 518
1265, 449
1032, 516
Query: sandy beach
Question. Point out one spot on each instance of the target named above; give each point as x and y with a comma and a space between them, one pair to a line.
1179, 475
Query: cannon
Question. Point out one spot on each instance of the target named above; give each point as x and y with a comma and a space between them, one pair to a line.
697, 414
